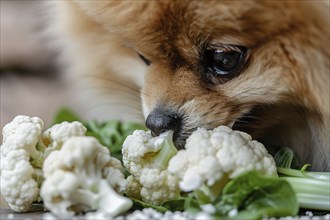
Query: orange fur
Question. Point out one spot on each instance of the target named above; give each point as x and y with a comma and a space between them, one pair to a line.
284, 86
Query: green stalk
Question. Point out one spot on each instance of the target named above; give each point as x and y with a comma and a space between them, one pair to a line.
311, 193
302, 173
317, 202
307, 185
167, 151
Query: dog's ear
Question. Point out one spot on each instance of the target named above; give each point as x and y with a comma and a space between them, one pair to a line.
120, 16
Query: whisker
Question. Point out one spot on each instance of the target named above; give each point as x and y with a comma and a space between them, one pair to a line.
131, 110
115, 82
114, 103
113, 93
113, 88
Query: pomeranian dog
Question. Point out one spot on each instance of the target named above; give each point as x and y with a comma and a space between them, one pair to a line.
257, 66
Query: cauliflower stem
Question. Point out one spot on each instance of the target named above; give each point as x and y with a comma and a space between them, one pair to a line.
167, 151
101, 197
83, 177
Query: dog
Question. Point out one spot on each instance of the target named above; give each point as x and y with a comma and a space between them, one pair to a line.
257, 66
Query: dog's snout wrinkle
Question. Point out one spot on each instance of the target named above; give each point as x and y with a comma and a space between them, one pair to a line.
159, 122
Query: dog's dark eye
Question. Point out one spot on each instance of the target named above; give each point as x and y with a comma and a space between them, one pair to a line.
145, 60
224, 63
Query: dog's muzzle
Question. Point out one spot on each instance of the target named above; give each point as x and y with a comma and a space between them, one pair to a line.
159, 121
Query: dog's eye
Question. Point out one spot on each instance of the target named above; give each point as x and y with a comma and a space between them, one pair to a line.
145, 60
224, 63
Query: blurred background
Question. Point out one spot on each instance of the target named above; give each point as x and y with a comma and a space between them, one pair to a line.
30, 83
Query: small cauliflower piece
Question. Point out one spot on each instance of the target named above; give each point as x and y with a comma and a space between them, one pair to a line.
22, 155
212, 157
146, 158
82, 177
54, 137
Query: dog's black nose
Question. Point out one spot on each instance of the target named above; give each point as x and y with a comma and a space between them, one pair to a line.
159, 121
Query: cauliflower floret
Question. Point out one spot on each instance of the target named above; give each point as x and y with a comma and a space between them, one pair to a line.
212, 157
18, 185
159, 186
22, 132
146, 158
136, 146
54, 137
82, 177
22, 155
114, 174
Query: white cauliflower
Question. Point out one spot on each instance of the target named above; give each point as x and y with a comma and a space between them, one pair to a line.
54, 137
212, 157
82, 177
146, 158
22, 155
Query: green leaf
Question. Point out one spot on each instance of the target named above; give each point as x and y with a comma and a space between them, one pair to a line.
286, 158
191, 204
65, 114
175, 205
112, 134
255, 196
172, 205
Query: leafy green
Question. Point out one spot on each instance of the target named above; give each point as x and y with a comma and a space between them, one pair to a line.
172, 205
251, 196
139, 204
65, 114
285, 157
110, 134
192, 205
255, 196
